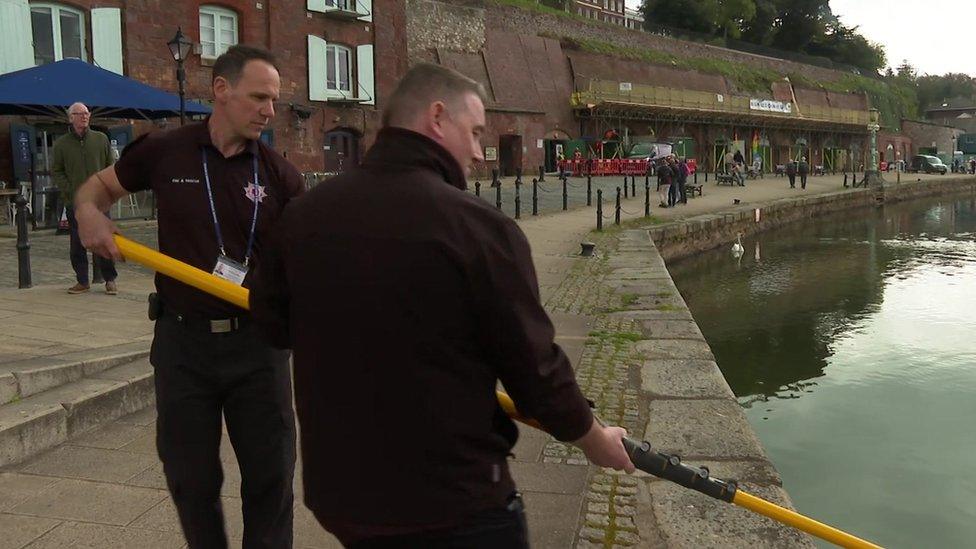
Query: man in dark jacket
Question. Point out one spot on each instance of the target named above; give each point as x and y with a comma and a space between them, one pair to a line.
803, 169
683, 172
406, 300
791, 172
75, 157
665, 176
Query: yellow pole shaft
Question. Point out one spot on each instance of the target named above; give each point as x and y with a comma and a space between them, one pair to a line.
238, 295
800, 522
199, 279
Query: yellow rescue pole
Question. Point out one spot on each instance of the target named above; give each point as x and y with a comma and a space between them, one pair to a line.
662, 465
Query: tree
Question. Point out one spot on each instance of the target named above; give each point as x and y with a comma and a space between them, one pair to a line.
693, 15
762, 28
732, 15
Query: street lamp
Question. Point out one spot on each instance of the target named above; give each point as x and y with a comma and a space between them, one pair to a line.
871, 176
179, 46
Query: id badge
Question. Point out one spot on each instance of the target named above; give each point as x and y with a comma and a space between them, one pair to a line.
231, 270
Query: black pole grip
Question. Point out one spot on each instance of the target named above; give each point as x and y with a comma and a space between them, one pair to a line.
669, 467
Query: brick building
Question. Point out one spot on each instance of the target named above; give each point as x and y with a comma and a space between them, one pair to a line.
341, 58
607, 11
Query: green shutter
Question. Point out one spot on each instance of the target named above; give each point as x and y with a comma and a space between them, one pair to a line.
365, 7
317, 67
315, 5
16, 41
107, 38
364, 73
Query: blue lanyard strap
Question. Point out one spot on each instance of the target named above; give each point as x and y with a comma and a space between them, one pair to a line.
213, 209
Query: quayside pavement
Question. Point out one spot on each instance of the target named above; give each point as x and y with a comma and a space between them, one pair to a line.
92, 479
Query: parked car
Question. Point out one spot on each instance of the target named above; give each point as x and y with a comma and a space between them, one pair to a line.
928, 164
652, 151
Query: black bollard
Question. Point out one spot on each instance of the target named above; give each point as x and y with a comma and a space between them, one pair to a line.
518, 199
616, 213
477, 188
494, 178
535, 197
23, 246
565, 193
599, 210
633, 186
498, 196
542, 174
845, 180
696, 177
589, 191
647, 199
706, 176
625, 187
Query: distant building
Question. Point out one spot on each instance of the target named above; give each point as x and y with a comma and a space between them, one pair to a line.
958, 112
634, 19
608, 11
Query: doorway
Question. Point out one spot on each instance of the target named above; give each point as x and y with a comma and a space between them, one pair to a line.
341, 150
509, 154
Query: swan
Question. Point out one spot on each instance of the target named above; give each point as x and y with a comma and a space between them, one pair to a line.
737, 249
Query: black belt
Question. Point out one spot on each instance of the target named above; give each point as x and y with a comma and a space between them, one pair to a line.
195, 322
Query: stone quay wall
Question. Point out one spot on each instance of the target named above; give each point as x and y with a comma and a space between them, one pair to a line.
705, 232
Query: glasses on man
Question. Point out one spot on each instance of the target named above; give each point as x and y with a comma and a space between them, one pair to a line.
81, 114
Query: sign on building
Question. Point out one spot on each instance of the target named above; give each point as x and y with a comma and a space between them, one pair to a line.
626, 87
769, 105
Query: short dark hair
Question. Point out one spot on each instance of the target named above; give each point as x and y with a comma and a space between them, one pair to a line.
231, 63
424, 84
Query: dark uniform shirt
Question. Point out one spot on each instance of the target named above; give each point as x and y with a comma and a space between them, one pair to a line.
171, 164
405, 299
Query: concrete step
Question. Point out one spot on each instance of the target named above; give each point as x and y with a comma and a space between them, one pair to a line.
33, 376
43, 420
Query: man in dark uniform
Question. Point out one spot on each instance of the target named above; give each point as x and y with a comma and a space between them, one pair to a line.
791, 172
406, 300
219, 191
803, 169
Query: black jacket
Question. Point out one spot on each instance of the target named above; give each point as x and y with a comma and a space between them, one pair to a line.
405, 300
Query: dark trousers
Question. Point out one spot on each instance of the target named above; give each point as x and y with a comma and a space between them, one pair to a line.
199, 378
792, 177
803, 180
79, 255
492, 529
683, 191
673, 194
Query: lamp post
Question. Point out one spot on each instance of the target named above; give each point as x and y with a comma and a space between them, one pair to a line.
179, 46
871, 175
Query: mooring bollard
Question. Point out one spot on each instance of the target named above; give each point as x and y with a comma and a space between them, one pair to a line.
599, 209
23, 246
518, 200
647, 199
625, 187
542, 174
498, 197
586, 248
565, 193
589, 191
616, 214
477, 188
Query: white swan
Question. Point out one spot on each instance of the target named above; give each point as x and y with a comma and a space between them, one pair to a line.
737, 249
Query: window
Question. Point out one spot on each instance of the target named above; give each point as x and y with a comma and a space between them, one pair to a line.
341, 4
218, 30
338, 68
58, 33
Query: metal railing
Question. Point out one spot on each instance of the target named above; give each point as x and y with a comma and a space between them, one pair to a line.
659, 96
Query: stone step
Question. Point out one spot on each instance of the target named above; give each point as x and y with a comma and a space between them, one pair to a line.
40, 421
33, 376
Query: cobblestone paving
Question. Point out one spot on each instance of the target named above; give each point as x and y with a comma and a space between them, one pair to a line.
606, 373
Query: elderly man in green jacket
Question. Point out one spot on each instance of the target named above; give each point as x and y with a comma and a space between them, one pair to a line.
77, 155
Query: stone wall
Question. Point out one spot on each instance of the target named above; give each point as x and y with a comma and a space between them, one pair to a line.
704, 232
455, 26
531, 22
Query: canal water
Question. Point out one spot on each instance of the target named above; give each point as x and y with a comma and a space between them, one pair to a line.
850, 341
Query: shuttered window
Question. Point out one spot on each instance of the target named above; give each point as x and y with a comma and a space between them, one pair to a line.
218, 30
58, 33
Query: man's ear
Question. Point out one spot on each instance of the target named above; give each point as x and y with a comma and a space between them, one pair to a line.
220, 87
436, 114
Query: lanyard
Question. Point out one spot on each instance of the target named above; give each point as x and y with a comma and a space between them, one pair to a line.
213, 210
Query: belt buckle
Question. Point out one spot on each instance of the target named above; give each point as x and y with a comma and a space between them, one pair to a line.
222, 325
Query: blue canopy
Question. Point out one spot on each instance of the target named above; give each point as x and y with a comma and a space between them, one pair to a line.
50, 89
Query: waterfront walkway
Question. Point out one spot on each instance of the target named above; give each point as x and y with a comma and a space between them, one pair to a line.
98, 483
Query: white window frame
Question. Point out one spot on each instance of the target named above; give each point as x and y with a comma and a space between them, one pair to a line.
219, 14
332, 59
56, 10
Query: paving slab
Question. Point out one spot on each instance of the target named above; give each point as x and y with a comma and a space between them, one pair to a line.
683, 378
552, 519
15, 488
549, 478
703, 429
88, 501
674, 349
102, 536
18, 531
69, 461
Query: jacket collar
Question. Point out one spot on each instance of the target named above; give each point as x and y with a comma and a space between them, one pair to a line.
405, 148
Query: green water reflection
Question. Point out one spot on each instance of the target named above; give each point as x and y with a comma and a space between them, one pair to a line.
849, 341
